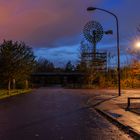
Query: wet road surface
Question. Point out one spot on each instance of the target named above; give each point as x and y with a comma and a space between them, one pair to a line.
54, 114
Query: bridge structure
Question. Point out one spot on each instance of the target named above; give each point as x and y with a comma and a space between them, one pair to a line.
57, 78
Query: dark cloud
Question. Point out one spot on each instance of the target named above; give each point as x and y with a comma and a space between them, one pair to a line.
49, 23
59, 56
43, 22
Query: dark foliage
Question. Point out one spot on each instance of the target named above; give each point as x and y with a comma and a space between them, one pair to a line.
16, 61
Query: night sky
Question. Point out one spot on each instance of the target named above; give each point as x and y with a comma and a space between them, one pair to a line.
53, 28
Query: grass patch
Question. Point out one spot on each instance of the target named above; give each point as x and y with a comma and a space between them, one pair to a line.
4, 93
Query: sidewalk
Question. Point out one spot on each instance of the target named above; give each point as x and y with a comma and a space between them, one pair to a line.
115, 110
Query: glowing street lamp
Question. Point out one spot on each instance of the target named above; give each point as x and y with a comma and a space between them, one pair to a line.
137, 44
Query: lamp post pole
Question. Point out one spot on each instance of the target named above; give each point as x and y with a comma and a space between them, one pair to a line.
118, 47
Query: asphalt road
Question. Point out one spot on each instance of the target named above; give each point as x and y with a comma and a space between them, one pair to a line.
54, 114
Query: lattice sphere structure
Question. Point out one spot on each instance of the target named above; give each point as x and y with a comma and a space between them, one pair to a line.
93, 32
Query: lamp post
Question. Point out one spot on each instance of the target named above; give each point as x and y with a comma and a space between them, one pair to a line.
118, 47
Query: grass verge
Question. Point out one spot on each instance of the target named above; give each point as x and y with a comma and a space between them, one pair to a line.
5, 94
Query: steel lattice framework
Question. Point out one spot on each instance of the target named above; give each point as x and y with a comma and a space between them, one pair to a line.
93, 31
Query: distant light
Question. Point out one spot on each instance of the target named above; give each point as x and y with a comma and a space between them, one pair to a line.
137, 44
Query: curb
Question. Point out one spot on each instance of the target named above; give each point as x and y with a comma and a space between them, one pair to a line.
130, 131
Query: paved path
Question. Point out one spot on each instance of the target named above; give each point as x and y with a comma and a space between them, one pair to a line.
116, 109
54, 114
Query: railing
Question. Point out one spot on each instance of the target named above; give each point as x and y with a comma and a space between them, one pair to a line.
128, 101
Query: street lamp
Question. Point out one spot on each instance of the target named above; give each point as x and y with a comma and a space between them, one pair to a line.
137, 44
118, 47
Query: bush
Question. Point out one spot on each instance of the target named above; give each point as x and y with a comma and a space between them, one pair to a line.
130, 83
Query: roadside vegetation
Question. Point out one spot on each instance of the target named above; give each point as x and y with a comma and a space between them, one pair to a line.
107, 78
5, 93
99, 74
16, 64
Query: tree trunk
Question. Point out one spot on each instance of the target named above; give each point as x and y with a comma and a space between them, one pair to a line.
9, 86
26, 84
14, 83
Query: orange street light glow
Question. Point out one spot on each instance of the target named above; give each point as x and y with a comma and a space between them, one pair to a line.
137, 44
